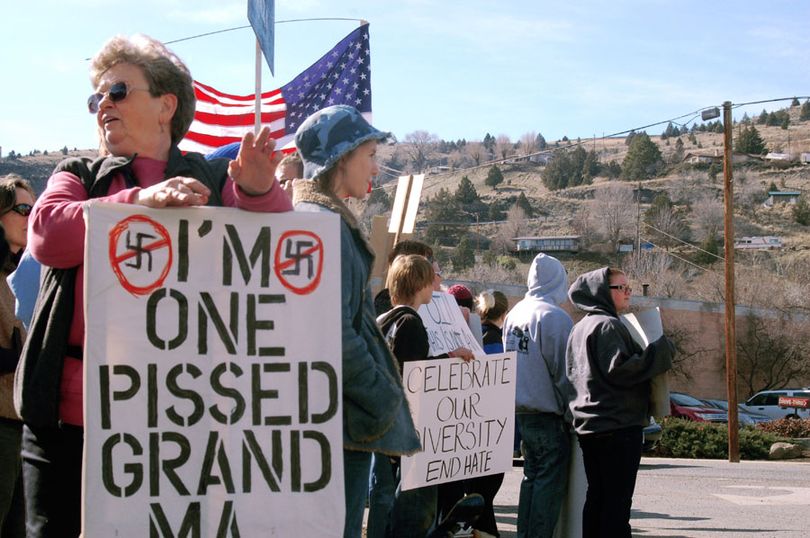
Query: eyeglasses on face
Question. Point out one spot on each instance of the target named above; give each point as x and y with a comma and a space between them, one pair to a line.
117, 93
622, 287
21, 209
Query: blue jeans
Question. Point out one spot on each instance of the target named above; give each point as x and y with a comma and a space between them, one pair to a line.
356, 468
381, 489
546, 451
413, 512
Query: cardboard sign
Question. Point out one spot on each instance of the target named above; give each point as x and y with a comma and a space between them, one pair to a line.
646, 327
464, 413
446, 327
210, 408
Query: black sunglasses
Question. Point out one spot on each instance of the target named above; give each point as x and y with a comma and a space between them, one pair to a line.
622, 287
22, 209
117, 93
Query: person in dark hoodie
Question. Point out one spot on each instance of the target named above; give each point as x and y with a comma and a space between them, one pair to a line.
537, 329
410, 283
610, 374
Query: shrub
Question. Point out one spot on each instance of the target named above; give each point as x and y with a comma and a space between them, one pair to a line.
686, 439
787, 427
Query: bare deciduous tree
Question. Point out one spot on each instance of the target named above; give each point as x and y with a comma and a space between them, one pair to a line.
419, 147
707, 216
528, 143
514, 226
614, 209
771, 353
476, 151
503, 146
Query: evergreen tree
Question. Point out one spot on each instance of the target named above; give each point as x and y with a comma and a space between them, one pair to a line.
540, 141
795, 102
523, 203
489, 142
379, 196
494, 176
749, 141
613, 170
714, 169
643, 159
629, 138
693, 138
466, 195
804, 115
801, 212
762, 119
590, 167
464, 256
443, 208
711, 246
555, 173
494, 212
677, 155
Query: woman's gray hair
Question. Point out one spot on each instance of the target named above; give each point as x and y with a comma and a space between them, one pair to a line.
164, 71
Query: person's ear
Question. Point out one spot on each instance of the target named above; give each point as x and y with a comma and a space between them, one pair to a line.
168, 106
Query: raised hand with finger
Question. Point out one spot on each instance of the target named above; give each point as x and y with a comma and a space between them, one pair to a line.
254, 169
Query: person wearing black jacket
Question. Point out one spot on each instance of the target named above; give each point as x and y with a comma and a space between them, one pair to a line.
410, 283
610, 375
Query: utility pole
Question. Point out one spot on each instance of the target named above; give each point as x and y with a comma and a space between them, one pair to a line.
728, 239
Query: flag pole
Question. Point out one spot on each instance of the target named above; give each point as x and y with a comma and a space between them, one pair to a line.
257, 122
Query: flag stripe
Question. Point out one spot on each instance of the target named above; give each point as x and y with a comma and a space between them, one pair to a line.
232, 120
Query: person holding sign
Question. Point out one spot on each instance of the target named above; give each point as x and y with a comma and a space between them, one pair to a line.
143, 100
537, 329
610, 374
410, 283
339, 147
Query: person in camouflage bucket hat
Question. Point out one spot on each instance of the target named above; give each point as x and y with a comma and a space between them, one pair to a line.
339, 150
331, 133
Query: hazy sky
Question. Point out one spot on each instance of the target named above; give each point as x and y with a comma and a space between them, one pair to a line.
458, 69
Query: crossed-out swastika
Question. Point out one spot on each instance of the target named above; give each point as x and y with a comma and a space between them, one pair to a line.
303, 258
136, 251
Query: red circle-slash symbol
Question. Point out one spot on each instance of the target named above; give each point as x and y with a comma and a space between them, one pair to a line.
146, 242
299, 261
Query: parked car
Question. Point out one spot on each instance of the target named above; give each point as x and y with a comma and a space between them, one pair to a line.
744, 416
766, 402
685, 406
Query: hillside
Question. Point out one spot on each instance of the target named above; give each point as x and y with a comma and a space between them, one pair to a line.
569, 211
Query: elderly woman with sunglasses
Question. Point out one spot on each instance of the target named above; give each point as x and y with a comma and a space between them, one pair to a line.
610, 374
16, 200
144, 104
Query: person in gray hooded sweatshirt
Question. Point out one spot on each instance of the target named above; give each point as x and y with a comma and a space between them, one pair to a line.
610, 374
537, 329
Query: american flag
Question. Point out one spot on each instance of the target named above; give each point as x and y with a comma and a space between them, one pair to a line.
341, 77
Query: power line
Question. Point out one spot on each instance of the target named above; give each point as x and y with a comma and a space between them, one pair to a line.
682, 241
248, 26
684, 260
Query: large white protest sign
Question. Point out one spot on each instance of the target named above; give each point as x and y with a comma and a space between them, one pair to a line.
465, 416
645, 327
212, 373
446, 327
